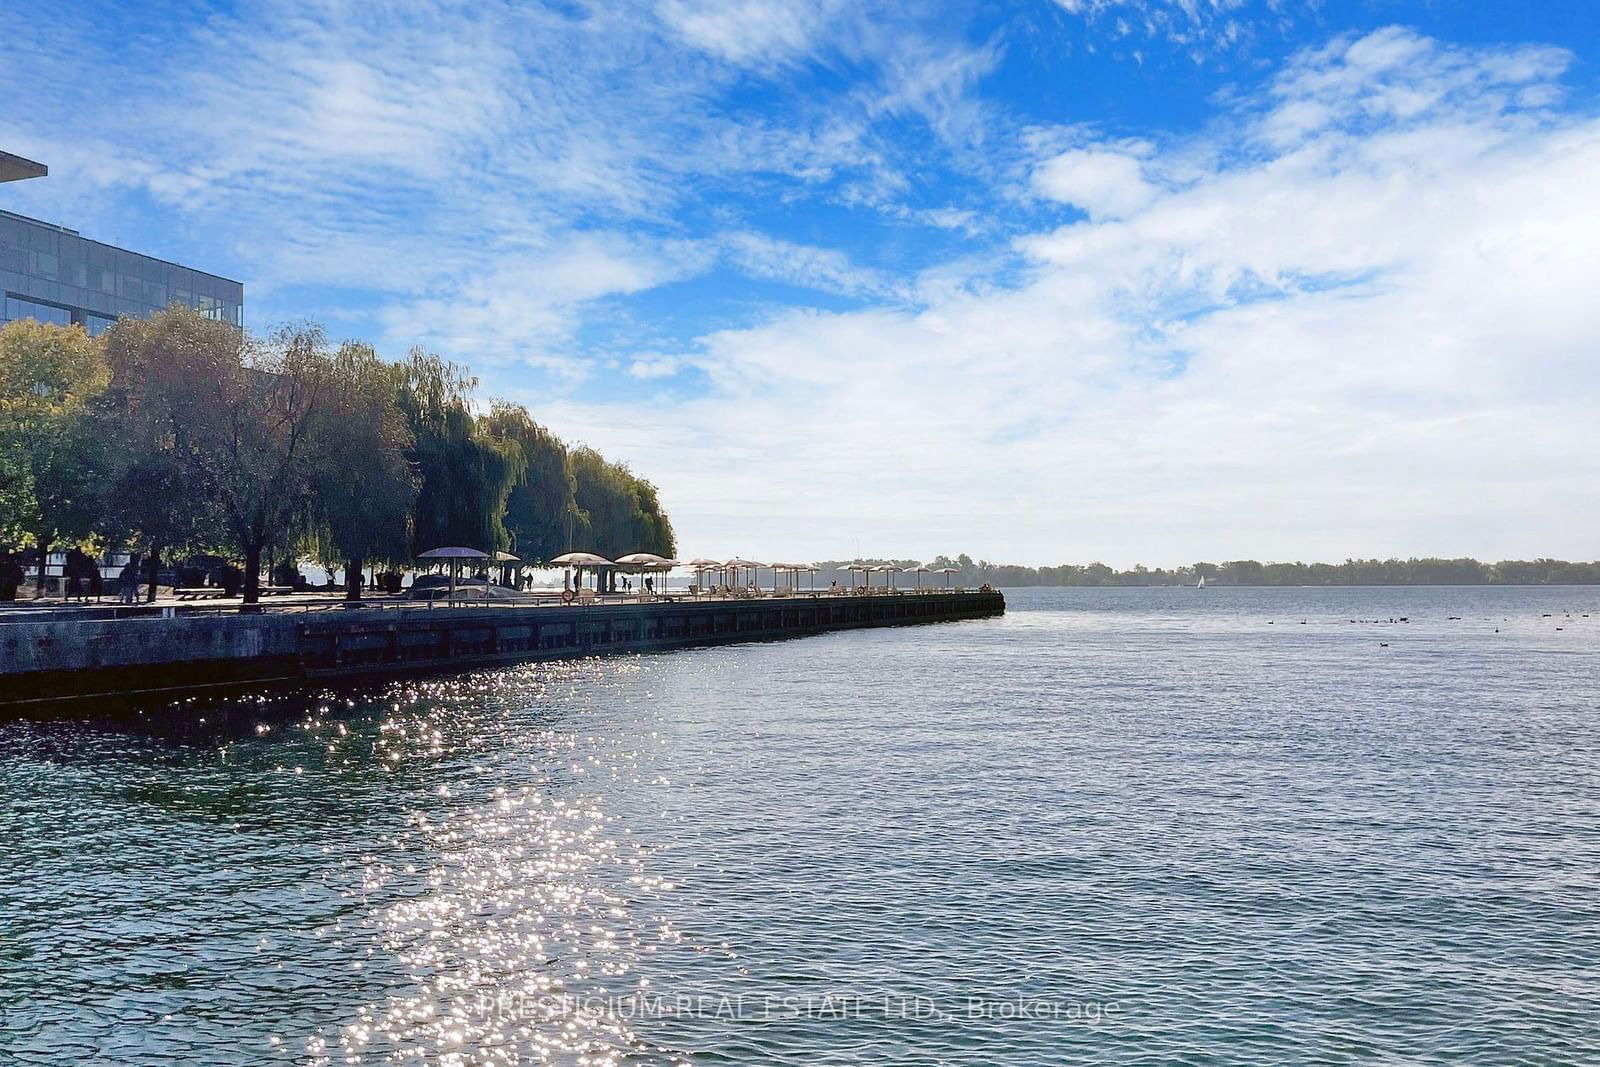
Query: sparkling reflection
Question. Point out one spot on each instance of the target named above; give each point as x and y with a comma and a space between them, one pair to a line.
1263, 842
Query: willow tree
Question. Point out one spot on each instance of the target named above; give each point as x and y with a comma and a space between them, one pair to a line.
465, 473
362, 484
542, 504
618, 512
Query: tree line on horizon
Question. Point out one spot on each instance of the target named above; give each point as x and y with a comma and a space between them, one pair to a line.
1426, 571
180, 435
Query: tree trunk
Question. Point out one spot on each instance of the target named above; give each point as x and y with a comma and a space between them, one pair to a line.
44, 563
252, 575
155, 573
352, 578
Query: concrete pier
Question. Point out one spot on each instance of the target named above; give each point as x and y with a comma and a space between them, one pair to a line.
64, 660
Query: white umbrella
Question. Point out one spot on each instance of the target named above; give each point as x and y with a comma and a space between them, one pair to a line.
455, 555
580, 560
947, 572
645, 561
701, 565
919, 570
736, 565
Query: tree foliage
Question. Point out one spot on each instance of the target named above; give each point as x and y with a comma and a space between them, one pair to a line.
184, 434
542, 506
617, 512
466, 475
47, 461
363, 484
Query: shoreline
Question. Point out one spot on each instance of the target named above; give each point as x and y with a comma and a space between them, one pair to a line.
162, 654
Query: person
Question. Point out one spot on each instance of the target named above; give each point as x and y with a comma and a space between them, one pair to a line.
130, 580
77, 568
11, 575
650, 586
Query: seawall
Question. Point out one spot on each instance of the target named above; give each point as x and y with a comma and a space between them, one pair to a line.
60, 660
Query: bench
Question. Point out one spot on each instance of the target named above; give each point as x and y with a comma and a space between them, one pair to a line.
198, 594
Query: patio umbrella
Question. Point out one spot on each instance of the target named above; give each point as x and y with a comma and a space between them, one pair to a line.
797, 569
888, 570
737, 565
701, 565
455, 555
919, 570
947, 572
581, 560
644, 561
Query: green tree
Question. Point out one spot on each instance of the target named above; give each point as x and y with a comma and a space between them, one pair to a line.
48, 374
157, 496
618, 513
542, 505
466, 474
363, 487
240, 419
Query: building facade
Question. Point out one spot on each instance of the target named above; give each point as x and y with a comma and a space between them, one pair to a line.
53, 274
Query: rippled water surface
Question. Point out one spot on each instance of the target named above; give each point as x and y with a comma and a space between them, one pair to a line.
1258, 826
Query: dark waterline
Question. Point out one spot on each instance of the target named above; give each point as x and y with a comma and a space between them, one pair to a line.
1244, 825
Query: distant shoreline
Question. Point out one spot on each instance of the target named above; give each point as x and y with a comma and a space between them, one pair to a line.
1351, 585
1430, 571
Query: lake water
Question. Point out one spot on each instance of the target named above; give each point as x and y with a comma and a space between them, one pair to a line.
1231, 825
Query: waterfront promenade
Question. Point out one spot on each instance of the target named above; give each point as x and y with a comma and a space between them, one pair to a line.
52, 656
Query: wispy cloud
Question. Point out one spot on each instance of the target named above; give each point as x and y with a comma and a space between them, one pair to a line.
1373, 336
1347, 310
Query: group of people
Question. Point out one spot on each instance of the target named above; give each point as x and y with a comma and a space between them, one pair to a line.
81, 577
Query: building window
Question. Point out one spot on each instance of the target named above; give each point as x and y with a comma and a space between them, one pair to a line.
18, 308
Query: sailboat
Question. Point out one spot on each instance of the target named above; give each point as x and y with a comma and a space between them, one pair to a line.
1201, 584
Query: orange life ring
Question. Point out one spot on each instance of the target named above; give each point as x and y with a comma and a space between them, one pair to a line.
568, 596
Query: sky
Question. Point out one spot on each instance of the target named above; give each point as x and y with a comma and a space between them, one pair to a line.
1041, 280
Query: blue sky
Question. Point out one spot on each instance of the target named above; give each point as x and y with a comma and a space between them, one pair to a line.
1140, 280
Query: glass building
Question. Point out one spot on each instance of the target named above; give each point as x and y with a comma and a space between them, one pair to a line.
54, 274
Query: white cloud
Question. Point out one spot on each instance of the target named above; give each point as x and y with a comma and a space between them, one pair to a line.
750, 31
655, 367
1355, 316
808, 266
1106, 185
1374, 336
1192, 23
